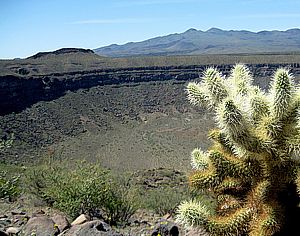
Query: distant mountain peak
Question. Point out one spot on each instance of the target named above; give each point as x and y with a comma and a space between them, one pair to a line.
191, 30
214, 30
294, 30
212, 41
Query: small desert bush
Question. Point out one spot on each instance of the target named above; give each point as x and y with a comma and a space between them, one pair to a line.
9, 186
10, 182
81, 187
73, 191
121, 202
163, 200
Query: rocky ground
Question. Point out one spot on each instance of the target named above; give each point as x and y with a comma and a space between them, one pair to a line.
138, 127
29, 215
41, 223
125, 128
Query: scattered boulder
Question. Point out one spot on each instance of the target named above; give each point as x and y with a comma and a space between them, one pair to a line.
13, 230
80, 220
165, 228
92, 228
40, 226
61, 222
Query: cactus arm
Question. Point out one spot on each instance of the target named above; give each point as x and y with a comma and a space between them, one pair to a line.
259, 106
205, 179
192, 213
220, 138
233, 167
229, 184
268, 222
236, 223
240, 80
232, 122
210, 92
199, 159
281, 93
197, 94
214, 84
296, 107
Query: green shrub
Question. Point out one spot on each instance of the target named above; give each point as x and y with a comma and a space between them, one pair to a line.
82, 188
9, 186
121, 201
164, 200
75, 190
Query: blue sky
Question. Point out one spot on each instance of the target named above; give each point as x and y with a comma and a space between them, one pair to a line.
30, 26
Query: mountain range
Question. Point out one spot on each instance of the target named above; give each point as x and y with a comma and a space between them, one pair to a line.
212, 41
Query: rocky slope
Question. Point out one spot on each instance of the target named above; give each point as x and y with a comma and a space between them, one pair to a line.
19, 92
127, 119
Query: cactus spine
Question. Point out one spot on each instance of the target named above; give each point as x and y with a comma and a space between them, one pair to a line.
253, 164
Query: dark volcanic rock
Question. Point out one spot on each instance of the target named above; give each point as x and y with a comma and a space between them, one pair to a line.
42, 111
47, 123
165, 228
23, 71
17, 93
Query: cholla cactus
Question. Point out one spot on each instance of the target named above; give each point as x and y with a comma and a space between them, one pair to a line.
252, 167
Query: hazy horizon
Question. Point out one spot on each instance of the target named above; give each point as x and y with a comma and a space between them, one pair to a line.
33, 26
